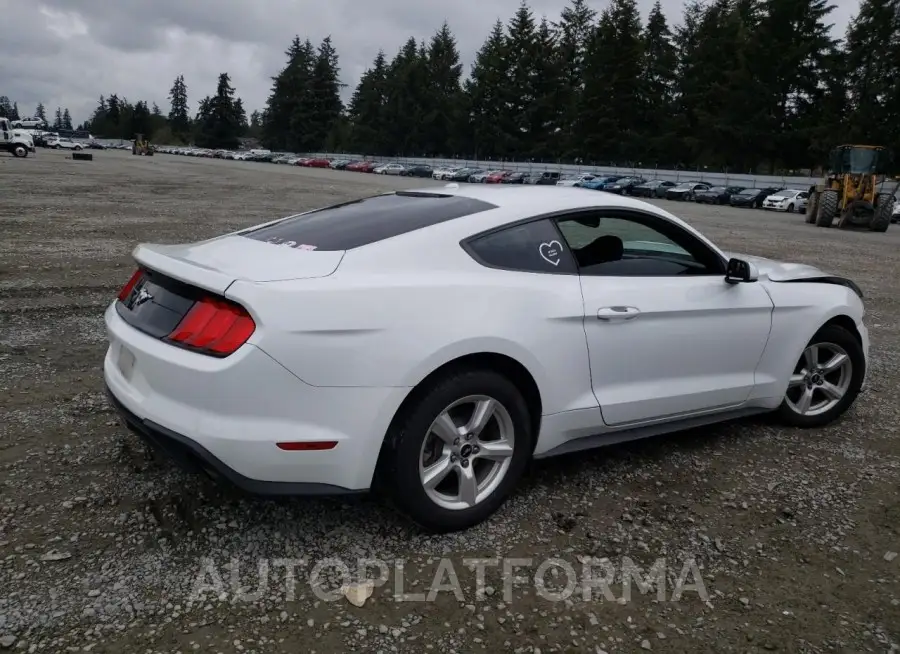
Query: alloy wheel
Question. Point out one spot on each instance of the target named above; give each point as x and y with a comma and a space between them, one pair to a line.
820, 379
467, 452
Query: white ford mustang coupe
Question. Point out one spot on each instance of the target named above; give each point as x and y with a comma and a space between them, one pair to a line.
429, 343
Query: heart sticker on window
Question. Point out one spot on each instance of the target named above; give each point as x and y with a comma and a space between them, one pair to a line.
551, 252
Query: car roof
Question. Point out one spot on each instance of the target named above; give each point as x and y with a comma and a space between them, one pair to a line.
436, 246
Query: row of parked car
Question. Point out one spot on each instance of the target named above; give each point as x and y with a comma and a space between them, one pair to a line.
771, 198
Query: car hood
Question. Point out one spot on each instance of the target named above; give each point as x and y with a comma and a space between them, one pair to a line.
780, 271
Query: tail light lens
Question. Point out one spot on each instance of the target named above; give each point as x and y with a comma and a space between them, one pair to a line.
214, 326
130, 284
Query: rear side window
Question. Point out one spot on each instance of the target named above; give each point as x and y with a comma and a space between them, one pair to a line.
361, 222
530, 247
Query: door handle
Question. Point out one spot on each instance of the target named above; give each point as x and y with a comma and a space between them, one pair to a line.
618, 314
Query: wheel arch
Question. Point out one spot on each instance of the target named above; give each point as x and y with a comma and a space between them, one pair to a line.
846, 322
508, 366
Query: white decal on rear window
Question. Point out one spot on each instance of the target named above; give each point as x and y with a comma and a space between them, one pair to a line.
276, 240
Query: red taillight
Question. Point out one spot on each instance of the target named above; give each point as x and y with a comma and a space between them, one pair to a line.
214, 326
130, 284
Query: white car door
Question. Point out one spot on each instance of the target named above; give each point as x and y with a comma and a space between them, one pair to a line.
668, 337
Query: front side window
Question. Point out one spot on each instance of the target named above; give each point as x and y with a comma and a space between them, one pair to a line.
636, 245
530, 247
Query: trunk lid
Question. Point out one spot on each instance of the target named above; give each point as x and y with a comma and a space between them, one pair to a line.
215, 264
174, 278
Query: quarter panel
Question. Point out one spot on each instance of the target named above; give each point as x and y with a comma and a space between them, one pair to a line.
394, 328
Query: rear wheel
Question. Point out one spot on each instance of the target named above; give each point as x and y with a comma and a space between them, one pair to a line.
826, 379
828, 208
884, 208
454, 456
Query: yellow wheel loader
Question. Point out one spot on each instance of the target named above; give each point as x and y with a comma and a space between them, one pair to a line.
141, 146
855, 190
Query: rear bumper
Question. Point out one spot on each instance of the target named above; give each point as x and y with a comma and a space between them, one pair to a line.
193, 458
228, 415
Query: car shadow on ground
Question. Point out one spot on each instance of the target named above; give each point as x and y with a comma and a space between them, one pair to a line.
188, 505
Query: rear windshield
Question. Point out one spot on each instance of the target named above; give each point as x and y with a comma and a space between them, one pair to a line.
353, 224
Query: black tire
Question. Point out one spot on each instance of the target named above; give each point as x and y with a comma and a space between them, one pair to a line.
848, 341
828, 208
812, 208
20, 151
884, 208
790, 208
399, 465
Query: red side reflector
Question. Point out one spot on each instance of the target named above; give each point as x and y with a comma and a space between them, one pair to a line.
214, 326
307, 446
130, 284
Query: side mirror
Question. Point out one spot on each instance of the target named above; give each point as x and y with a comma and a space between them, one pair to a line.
739, 271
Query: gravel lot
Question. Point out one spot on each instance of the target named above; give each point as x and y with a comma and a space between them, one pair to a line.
793, 533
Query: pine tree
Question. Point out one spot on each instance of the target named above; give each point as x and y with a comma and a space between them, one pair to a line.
66, 119
40, 112
58, 120
690, 78
220, 119
658, 86
367, 109
14, 114
290, 102
545, 117
443, 105
326, 104
406, 85
518, 93
613, 99
797, 45
254, 129
179, 119
873, 72
483, 92
575, 27
6, 107
113, 111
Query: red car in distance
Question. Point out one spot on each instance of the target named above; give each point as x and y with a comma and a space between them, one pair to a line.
317, 163
497, 178
362, 166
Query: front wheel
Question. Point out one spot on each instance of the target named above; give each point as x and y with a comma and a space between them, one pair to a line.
790, 208
453, 457
828, 208
826, 379
812, 208
20, 151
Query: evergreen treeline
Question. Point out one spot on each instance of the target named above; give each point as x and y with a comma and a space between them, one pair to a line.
742, 84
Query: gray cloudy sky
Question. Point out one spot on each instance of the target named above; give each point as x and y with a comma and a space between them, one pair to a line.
68, 52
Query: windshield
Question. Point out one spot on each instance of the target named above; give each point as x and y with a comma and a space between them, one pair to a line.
749, 191
859, 160
717, 189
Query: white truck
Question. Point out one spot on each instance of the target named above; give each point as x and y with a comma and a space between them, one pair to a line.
14, 140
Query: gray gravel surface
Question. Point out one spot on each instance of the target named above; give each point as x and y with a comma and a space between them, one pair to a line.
793, 534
